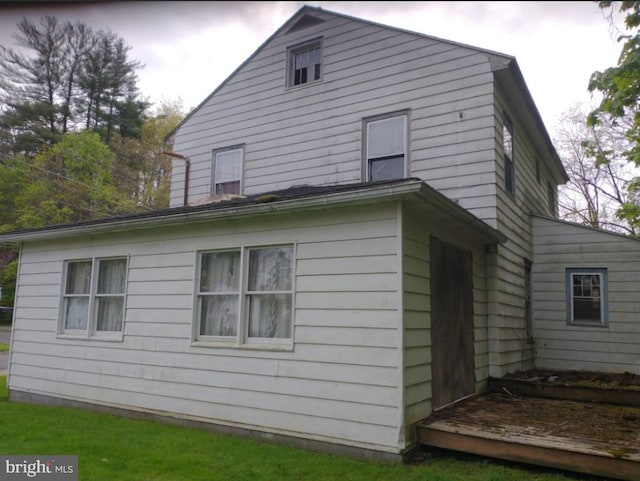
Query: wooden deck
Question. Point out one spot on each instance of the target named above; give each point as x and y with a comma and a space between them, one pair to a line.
591, 438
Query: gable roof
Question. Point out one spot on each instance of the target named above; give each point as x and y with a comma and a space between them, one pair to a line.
295, 199
304, 20
500, 62
304, 13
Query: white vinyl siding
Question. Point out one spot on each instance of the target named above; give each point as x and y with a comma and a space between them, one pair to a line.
314, 135
339, 384
508, 347
457, 101
561, 345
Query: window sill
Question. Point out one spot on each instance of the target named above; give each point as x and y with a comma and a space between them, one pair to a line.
83, 337
306, 84
588, 324
249, 346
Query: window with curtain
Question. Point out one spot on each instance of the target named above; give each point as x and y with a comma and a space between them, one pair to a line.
270, 292
219, 293
109, 301
245, 294
227, 171
76, 296
94, 296
386, 141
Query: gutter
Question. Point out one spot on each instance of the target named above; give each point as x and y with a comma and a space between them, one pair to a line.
401, 190
206, 213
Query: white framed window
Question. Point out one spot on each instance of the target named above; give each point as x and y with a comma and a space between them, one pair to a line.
304, 63
227, 170
219, 293
245, 295
587, 296
269, 295
93, 298
509, 164
385, 147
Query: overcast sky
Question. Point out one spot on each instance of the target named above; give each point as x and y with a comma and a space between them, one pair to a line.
189, 48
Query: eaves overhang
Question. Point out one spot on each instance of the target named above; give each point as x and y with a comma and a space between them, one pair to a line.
280, 202
507, 71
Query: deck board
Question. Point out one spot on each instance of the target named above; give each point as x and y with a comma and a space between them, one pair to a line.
591, 438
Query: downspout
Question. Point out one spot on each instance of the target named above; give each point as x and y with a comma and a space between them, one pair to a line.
187, 170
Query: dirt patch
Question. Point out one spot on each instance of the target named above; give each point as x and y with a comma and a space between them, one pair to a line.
590, 379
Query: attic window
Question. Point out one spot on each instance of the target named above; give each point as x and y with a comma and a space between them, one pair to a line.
304, 63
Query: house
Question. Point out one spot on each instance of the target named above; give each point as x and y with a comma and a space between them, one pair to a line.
369, 234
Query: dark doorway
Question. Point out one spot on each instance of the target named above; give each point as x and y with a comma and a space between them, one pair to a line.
452, 367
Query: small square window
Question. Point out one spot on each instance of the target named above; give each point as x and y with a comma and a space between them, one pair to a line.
385, 148
587, 291
304, 63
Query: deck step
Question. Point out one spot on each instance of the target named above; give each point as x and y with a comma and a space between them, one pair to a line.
625, 397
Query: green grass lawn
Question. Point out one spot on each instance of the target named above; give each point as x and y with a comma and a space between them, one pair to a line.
4, 347
114, 448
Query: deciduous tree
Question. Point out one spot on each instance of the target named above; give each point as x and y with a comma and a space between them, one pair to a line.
72, 181
620, 89
599, 176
